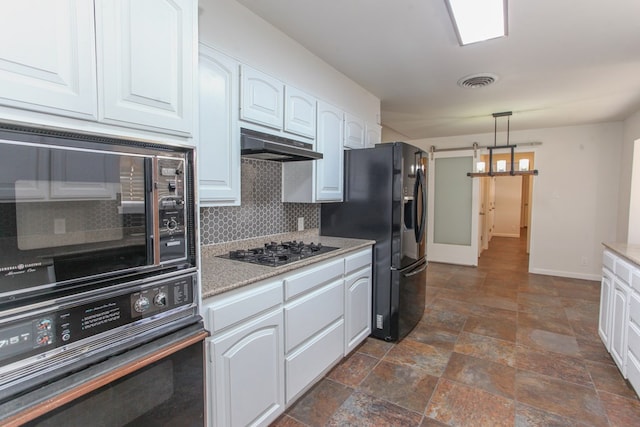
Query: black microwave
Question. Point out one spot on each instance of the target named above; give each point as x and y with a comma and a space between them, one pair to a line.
86, 211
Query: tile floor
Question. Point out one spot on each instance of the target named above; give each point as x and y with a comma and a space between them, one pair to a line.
496, 347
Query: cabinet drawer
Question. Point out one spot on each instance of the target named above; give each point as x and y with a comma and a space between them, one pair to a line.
634, 310
313, 359
608, 260
357, 261
309, 314
312, 277
236, 306
633, 340
635, 280
623, 270
633, 372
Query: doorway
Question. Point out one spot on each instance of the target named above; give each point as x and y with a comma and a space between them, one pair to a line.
505, 202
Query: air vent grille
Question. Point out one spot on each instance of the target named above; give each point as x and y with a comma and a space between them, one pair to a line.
477, 80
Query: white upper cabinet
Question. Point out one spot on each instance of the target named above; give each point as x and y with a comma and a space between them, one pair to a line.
353, 131
261, 98
129, 63
330, 169
299, 112
218, 139
373, 135
146, 62
47, 57
319, 180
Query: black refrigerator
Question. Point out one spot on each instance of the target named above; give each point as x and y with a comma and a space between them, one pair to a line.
385, 196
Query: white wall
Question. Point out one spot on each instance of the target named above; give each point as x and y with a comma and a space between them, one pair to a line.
575, 196
231, 28
629, 210
508, 205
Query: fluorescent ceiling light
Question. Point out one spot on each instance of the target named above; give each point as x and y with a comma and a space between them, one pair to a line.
478, 20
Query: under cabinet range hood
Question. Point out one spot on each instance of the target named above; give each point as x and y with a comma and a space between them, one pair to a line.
263, 146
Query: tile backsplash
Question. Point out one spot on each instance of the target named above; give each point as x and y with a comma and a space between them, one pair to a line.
261, 213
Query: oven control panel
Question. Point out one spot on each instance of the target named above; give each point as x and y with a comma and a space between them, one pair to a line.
170, 184
85, 319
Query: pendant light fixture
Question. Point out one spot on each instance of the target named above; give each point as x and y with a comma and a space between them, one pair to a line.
501, 168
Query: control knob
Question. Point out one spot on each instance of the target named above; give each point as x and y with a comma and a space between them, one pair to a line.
141, 304
160, 299
172, 224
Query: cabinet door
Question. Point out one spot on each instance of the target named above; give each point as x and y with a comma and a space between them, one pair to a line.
357, 308
218, 141
47, 57
329, 169
261, 98
247, 373
299, 113
353, 132
619, 323
373, 135
604, 319
146, 60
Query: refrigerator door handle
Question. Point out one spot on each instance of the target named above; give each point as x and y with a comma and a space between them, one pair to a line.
418, 270
418, 197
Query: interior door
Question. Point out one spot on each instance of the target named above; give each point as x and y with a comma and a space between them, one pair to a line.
453, 197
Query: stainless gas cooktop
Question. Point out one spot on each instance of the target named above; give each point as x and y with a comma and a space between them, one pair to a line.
277, 254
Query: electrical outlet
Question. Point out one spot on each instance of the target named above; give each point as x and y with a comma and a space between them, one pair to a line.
300, 223
584, 261
59, 226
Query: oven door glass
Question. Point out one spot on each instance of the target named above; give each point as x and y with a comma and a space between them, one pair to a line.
167, 392
69, 214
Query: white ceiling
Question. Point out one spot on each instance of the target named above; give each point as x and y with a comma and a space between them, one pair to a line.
564, 62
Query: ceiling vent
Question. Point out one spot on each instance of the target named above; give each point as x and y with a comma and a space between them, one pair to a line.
475, 81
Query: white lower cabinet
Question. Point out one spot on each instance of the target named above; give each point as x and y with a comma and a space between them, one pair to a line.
247, 367
314, 325
604, 319
357, 287
313, 359
619, 320
272, 340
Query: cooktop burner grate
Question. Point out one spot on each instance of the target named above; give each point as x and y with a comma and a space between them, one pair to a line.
277, 254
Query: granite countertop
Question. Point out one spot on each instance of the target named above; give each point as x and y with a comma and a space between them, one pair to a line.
630, 252
221, 274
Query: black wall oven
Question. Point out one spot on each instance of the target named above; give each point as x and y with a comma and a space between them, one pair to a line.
98, 272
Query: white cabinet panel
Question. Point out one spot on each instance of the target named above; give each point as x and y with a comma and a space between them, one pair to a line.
357, 308
218, 139
238, 306
313, 359
373, 135
320, 180
146, 62
246, 373
353, 132
261, 98
330, 169
604, 319
47, 57
619, 323
299, 112
312, 277
309, 314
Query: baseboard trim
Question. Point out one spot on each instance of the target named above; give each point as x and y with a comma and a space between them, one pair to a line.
568, 274
516, 235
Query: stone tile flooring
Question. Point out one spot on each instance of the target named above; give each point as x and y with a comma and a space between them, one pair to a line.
496, 347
